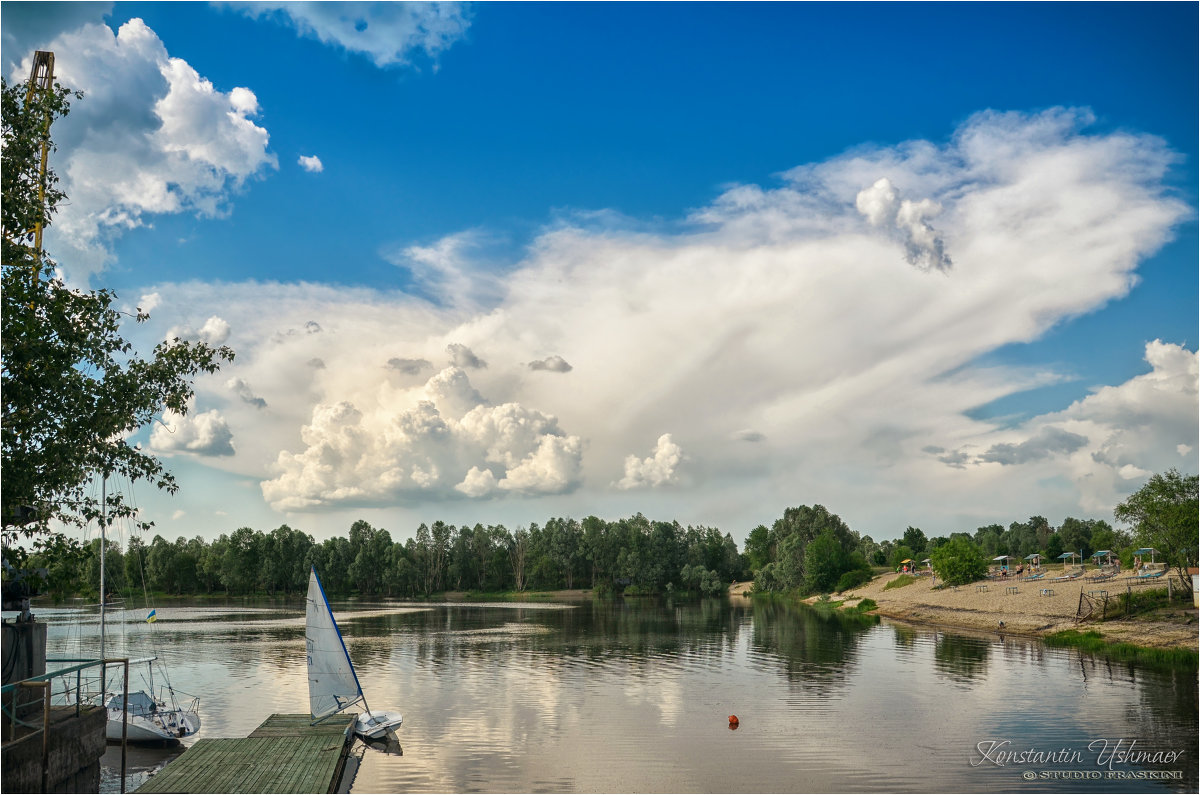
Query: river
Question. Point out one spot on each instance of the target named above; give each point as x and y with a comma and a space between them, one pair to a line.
635, 696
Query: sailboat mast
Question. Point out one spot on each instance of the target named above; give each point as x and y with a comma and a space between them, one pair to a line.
103, 544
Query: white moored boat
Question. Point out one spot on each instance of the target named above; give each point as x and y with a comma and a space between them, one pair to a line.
139, 717
149, 720
332, 683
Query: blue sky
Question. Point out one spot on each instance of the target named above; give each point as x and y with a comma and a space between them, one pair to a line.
927, 265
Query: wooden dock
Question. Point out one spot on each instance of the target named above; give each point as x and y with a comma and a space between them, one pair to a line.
284, 754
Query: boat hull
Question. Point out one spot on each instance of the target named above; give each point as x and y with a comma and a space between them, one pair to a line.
376, 725
169, 726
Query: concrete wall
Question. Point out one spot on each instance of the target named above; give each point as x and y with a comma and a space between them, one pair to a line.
23, 650
76, 745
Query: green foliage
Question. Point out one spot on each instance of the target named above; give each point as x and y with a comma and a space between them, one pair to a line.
632, 555
959, 562
853, 579
900, 554
900, 582
866, 606
758, 548
914, 539
1054, 546
73, 388
705, 581
811, 550
824, 563
1165, 515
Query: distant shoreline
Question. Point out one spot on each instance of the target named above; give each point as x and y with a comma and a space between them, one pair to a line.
1025, 611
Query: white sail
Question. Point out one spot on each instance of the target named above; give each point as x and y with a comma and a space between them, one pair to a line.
332, 683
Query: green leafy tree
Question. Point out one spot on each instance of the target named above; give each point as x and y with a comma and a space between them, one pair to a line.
758, 547
914, 539
1054, 546
959, 561
824, 563
73, 388
1077, 536
1163, 515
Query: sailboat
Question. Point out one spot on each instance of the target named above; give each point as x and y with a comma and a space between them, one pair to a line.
332, 683
141, 717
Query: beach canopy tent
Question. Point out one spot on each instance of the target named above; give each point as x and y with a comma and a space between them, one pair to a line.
1145, 551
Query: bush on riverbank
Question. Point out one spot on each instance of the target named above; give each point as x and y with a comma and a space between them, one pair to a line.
958, 562
900, 582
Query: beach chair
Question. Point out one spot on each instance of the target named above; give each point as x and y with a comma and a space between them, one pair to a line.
1032, 577
1152, 575
1072, 575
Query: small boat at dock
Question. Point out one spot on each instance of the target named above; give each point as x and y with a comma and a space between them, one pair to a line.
332, 682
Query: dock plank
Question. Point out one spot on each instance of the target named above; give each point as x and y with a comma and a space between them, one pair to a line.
284, 754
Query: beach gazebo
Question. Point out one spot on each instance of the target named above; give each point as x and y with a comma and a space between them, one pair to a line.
1103, 553
1002, 560
1144, 551
928, 564
1072, 555
1035, 560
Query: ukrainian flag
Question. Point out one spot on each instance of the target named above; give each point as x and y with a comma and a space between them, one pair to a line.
150, 619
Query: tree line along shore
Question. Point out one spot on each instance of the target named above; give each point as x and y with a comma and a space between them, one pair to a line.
807, 550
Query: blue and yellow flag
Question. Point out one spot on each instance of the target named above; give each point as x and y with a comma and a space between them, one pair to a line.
150, 619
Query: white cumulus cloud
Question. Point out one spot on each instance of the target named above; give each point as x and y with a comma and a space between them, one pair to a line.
436, 442
215, 331
882, 206
152, 136
656, 470
311, 164
202, 434
387, 33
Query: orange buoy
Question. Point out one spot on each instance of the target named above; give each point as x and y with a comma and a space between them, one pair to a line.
733, 721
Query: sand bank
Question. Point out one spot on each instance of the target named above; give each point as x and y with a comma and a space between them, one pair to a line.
1030, 608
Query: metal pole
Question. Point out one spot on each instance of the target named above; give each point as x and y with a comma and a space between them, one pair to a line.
41, 81
124, 724
103, 521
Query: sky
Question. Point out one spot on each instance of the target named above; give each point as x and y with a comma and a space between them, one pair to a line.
925, 265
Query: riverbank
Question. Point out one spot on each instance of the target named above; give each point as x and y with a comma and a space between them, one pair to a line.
1026, 610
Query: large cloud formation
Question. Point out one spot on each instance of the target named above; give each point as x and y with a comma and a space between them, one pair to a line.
429, 444
818, 319
153, 137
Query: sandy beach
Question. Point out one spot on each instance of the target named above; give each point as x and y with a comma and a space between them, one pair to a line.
1022, 606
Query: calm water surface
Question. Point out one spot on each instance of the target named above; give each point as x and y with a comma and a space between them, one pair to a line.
634, 696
